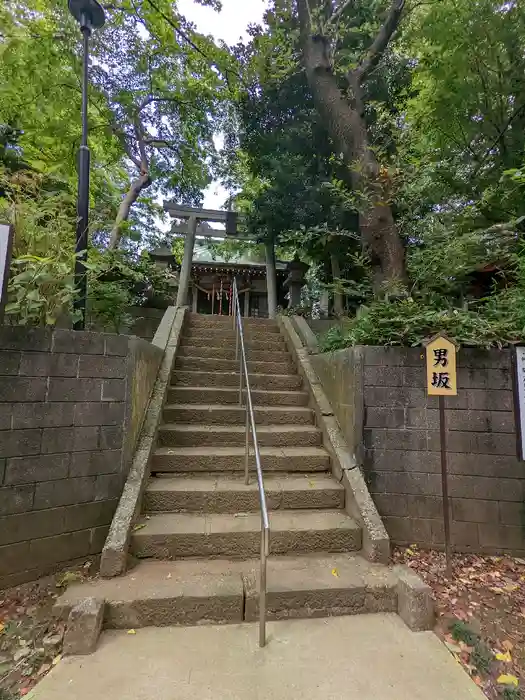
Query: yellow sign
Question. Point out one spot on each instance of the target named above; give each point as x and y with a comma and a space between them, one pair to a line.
441, 367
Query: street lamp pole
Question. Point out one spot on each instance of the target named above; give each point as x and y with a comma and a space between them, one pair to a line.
90, 15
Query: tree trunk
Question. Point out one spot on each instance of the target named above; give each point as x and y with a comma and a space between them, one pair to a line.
336, 276
141, 183
347, 128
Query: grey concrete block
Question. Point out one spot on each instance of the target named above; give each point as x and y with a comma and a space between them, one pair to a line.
484, 465
9, 362
403, 460
100, 413
14, 443
113, 390
74, 439
6, 411
25, 338
475, 510
416, 483
393, 356
16, 499
502, 537
479, 378
110, 437
487, 488
409, 530
425, 506
14, 558
60, 548
511, 513
2, 470
464, 535
41, 415
74, 389
481, 421
402, 439
87, 515
414, 600
35, 364
79, 342
21, 470
116, 345
64, 492
92, 463
482, 400
31, 526
391, 504
98, 538
398, 396
17, 389
102, 366
107, 487
479, 358
483, 443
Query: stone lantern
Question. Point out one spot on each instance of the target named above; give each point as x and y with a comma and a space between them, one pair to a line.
295, 281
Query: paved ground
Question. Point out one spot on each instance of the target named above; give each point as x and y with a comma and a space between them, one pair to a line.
372, 657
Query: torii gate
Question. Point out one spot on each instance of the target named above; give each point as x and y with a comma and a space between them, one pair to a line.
231, 219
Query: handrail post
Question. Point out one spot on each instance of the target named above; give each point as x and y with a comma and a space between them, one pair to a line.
250, 423
262, 586
247, 450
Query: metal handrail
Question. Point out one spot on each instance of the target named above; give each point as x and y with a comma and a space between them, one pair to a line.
250, 427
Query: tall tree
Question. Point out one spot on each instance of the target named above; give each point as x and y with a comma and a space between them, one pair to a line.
340, 96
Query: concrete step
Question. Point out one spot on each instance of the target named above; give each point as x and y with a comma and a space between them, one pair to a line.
227, 352
222, 336
175, 535
175, 435
196, 591
284, 382
230, 395
266, 341
213, 414
265, 325
321, 586
215, 364
229, 494
185, 460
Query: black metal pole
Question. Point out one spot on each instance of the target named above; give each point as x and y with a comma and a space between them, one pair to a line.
444, 484
83, 193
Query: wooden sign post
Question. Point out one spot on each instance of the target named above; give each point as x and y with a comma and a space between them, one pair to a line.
6, 245
441, 382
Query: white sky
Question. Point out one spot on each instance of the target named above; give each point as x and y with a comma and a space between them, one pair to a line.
229, 25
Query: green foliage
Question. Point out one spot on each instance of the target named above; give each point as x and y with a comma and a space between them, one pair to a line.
41, 286
482, 657
462, 632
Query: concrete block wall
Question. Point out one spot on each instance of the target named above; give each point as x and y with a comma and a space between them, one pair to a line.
71, 404
400, 446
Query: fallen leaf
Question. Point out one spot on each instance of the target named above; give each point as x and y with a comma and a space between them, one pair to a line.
497, 590
132, 632
511, 587
56, 660
508, 679
23, 691
506, 657
507, 645
139, 527
335, 573
2, 627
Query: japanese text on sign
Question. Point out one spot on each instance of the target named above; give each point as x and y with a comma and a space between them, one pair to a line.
441, 367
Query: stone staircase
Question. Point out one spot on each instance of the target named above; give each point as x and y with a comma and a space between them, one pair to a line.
198, 540
199, 506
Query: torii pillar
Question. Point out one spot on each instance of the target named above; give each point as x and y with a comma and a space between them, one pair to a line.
271, 278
